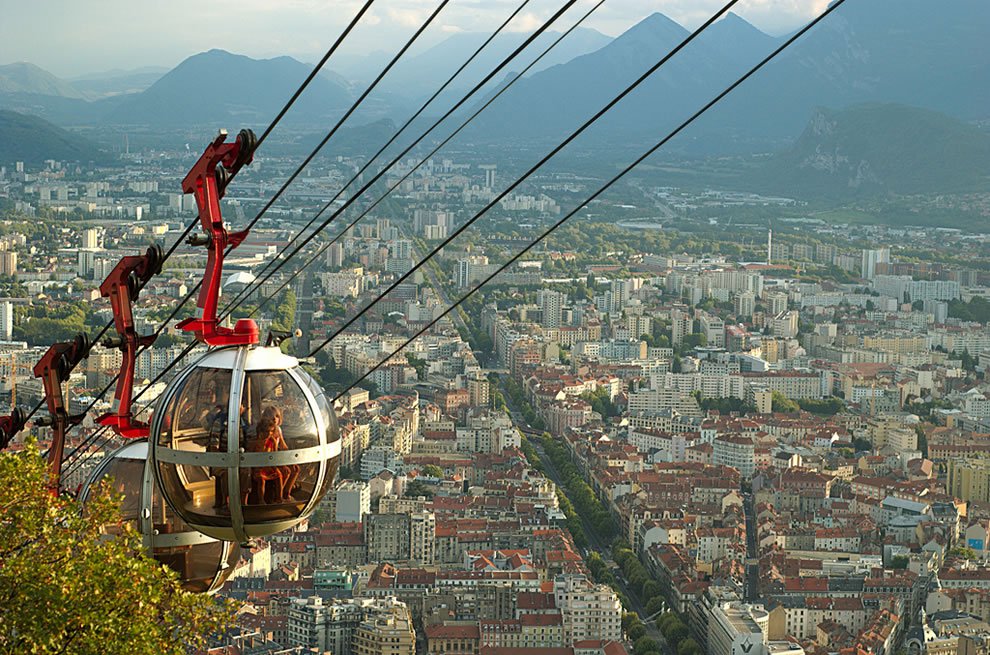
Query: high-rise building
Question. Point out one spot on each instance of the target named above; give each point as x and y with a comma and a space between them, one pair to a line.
871, 258
335, 255
785, 325
776, 302
422, 538
969, 479
714, 330
386, 537
825, 253
479, 391
623, 289
353, 501
744, 304
589, 611
681, 325
8, 263
552, 307
401, 249
344, 626
489, 175
734, 628
6, 320
463, 273
90, 238
387, 630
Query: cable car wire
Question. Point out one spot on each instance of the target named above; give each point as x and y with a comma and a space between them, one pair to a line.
313, 73
285, 108
367, 185
625, 171
92, 438
381, 75
271, 126
502, 89
387, 144
563, 144
347, 114
299, 169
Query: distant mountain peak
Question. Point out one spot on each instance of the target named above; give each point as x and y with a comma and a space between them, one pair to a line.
656, 22
31, 139
883, 148
25, 77
220, 87
734, 20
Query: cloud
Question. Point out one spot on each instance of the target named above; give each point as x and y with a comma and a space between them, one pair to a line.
524, 22
407, 17
451, 29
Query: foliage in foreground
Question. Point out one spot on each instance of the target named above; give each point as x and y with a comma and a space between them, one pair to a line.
67, 588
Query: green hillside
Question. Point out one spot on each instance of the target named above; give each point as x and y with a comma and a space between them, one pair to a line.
31, 139
875, 150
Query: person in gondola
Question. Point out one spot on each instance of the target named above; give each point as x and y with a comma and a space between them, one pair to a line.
267, 441
290, 472
216, 422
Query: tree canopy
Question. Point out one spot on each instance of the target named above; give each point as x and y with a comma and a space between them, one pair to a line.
67, 587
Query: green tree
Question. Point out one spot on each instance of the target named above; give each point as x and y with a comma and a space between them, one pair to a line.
825, 407
433, 471
964, 552
419, 365
644, 645
688, 647
861, 444
782, 403
284, 317
678, 632
636, 631
66, 587
418, 488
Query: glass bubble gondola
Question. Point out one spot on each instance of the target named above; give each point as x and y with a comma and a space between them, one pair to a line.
203, 563
259, 473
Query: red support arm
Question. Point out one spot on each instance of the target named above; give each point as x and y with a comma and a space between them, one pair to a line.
11, 425
208, 180
54, 368
122, 286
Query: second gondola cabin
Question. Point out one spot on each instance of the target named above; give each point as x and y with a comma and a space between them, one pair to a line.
203, 563
246, 443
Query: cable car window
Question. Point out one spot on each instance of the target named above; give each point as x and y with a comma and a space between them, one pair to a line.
125, 477
275, 493
323, 403
196, 415
274, 405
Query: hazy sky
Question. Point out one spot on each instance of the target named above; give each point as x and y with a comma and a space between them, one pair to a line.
69, 37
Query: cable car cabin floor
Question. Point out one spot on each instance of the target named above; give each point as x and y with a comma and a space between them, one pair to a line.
252, 513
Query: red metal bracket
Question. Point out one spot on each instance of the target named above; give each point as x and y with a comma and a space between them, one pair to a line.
11, 425
54, 368
208, 180
123, 286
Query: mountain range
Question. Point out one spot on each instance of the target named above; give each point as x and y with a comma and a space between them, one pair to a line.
878, 51
870, 150
905, 51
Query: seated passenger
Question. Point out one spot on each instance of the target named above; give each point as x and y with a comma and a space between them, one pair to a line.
290, 472
267, 442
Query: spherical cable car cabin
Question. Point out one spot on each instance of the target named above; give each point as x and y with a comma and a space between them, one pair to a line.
245, 443
203, 563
